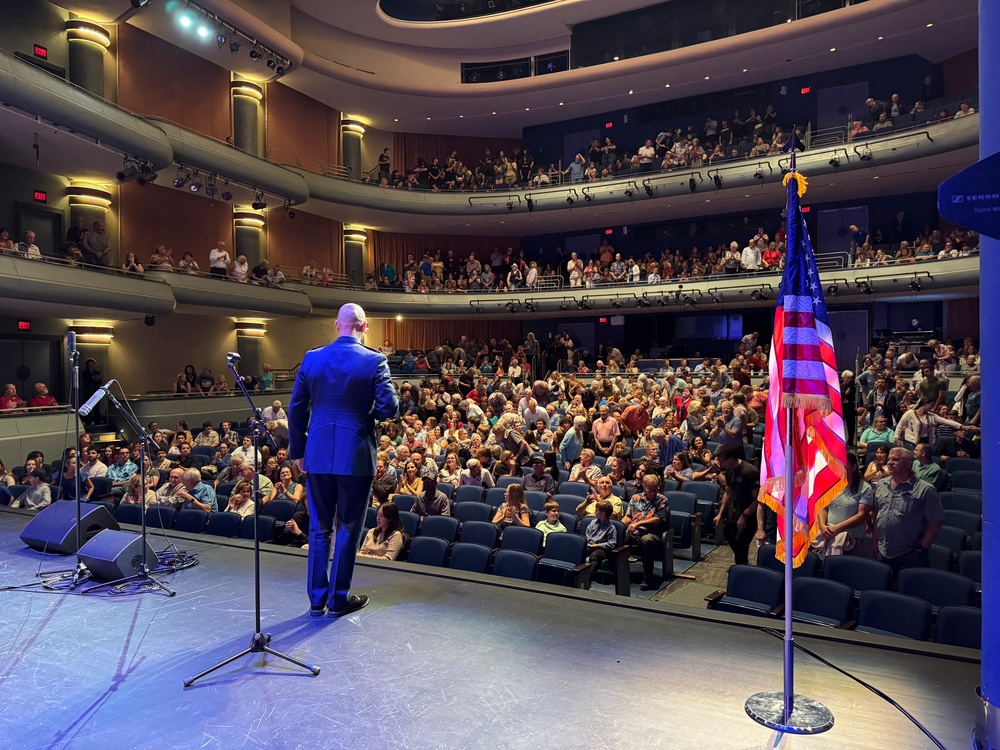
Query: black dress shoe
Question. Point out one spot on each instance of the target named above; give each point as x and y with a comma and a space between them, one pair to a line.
644, 586
354, 603
317, 611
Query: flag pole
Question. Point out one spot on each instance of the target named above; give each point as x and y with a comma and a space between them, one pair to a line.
785, 711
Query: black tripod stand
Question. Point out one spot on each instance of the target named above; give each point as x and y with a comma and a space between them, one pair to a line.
258, 641
143, 574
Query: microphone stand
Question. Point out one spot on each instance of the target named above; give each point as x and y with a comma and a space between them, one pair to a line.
259, 642
149, 583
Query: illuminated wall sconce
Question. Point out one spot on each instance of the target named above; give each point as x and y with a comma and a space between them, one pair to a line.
248, 218
355, 234
247, 89
353, 126
88, 195
251, 328
86, 31
98, 332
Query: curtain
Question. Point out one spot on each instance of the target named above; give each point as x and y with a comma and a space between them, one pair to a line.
396, 247
408, 147
427, 334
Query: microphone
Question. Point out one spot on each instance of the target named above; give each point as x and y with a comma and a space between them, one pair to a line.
94, 400
233, 357
71, 343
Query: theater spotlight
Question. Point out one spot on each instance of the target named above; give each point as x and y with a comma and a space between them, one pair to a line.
226, 194
563, 306
510, 307
642, 301
289, 213
258, 202
833, 290
588, 197
648, 188
529, 306
510, 206
761, 294
716, 297
210, 188
128, 172
916, 286
689, 301
717, 179
662, 301
221, 38
864, 286
584, 304
195, 186
181, 179
479, 309
234, 46
835, 163
617, 303
280, 70
255, 55
146, 174
569, 199
866, 155
759, 175
272, 63
692, 184
629, 192
531, 203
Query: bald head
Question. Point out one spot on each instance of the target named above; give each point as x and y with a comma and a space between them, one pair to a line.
351, 321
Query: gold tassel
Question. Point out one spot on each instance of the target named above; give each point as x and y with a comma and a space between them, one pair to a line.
802, 184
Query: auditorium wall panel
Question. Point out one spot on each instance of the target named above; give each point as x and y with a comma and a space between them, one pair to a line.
149, 359
179, 219
301, 130
427, 334
294, 242
158, 79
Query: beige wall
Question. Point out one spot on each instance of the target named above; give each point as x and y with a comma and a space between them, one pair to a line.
288, 340
372, 145
145, 358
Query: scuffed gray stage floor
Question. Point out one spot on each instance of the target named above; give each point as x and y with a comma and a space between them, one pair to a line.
433, 662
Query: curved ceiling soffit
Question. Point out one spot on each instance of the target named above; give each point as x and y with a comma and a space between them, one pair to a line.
770, 37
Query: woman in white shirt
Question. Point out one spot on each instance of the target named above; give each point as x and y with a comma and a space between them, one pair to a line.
385, 541
241, 270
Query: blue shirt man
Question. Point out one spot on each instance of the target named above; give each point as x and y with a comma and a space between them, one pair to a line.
340, 392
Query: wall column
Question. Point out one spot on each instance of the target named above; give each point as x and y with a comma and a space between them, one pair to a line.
352, 132
249, 235
88, 45
248, 99
250, 334
355, 238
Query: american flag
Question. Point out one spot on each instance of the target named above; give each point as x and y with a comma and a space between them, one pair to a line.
803, 380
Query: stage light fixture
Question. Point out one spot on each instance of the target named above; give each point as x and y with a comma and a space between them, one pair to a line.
835, 163
531, 203
221, 38
584, 304
150, 320
662, 301
128, 172
479, 309
759, 175
226, 194
272, 63
510, 206
689, 301
716, 298
649, 190
289, 213
258, 202
211, 190
641, 302
718, 181
616, 303
510, 307
866, 155
234, 46
280, 70
146, 174
255, 55
588, 197
569, 199
916, 286
692, 184
864, 286
181, 179
529, 306
563, 306
833, 291
629, 192
195, 186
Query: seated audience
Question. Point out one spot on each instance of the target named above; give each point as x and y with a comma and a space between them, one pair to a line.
37, 496
385, 541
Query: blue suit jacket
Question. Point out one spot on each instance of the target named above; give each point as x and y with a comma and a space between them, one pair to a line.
341, 390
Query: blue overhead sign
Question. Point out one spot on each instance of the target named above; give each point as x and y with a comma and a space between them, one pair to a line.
971, 198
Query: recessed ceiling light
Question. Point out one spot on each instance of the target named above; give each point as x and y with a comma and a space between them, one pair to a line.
929, 25
875, 177
493, 113
745, 70
707, 77
833, 49
615, 58
395, 119
666, 85
630, 92
460, 117
527, 109
789, 20
560, 104
881, 38
428, 118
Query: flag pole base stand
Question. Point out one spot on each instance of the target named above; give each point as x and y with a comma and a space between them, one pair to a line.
808, 716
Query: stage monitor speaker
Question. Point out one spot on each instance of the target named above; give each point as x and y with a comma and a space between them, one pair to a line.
115, 554
53, 529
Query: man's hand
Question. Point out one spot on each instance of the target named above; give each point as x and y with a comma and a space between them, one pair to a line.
717, 521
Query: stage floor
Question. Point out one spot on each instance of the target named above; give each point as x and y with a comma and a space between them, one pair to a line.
434, 661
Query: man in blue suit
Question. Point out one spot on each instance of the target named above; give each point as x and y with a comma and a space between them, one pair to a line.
340, 393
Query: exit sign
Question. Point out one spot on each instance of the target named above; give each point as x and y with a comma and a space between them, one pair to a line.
24, 325
41, 52
40, 196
